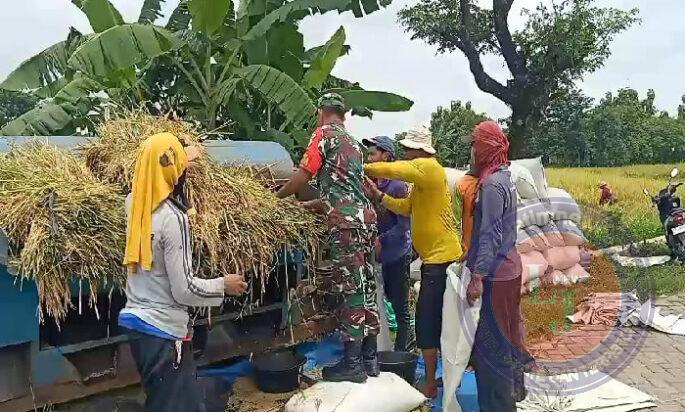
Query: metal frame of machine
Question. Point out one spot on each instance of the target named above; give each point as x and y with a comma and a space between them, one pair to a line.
41, 365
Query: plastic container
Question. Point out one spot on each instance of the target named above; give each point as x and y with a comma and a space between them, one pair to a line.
278, 372
402, 364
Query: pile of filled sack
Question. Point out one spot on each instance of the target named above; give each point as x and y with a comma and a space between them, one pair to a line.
550, 241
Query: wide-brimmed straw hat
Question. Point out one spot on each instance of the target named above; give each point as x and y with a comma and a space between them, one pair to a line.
419, 138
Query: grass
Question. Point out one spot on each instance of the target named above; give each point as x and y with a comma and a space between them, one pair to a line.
633, 217
659, 280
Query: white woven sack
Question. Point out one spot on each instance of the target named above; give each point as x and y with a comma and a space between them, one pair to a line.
532, 212
525, 184
563, 206
459, 322
386, 393
536, 170
571, 233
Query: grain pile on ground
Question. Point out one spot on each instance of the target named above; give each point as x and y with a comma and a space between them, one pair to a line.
545, 309
62, 222
240, 225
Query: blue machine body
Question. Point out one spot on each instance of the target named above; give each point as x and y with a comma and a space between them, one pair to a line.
25, 361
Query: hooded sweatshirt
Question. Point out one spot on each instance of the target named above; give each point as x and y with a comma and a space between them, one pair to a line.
160, 286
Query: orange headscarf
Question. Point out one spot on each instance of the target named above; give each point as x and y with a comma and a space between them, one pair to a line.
160, 164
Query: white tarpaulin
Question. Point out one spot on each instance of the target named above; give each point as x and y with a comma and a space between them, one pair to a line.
651, 316
459, 322
596, 391
625, 309
643, 262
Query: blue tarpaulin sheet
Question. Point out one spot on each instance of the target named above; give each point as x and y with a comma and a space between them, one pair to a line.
328, 351
466, 394
325, 352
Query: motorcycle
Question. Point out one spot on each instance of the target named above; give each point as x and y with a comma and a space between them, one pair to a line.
671, 215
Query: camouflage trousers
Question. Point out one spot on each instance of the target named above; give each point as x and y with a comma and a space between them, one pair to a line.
354, 283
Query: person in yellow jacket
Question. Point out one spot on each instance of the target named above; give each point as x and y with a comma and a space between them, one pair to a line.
434, 234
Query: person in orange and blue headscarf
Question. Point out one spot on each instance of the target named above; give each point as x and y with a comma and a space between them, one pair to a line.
161, 286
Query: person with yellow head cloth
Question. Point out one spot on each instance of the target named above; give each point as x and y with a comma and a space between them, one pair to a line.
161, 287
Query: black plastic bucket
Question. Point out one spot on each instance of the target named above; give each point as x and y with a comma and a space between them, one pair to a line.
278, 372
402, 364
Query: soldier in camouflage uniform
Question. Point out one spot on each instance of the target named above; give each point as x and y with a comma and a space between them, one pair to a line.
335, 158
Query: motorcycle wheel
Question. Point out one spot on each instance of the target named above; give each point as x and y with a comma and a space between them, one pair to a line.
677, 246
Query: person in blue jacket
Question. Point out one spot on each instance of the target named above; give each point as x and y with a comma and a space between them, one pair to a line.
393, 245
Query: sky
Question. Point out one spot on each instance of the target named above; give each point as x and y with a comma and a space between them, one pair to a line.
383, 57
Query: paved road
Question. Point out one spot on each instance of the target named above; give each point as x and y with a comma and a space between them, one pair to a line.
657, 367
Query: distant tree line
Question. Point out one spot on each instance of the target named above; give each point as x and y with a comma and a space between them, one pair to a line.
621, 129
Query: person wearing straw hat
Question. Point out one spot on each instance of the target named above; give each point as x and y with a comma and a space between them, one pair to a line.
336, 159
606, 195
434, 234
161, 286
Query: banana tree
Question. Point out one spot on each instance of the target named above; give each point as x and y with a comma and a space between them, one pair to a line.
76, 76
250, 71
245, 71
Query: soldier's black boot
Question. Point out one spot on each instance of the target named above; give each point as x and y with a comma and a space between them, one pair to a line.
370, 355
350, 366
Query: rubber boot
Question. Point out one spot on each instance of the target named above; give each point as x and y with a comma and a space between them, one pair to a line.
350, 366
370, 355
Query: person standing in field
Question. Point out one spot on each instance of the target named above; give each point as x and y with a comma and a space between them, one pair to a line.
393, 245
434, 233
496, 272
161, 286
335, 158
606, 195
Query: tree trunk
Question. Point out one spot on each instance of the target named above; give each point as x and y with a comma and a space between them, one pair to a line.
518, 134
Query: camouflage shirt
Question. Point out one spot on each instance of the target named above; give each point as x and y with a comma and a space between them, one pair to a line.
335, 158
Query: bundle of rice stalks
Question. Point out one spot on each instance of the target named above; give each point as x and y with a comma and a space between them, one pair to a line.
63, 223
112, 156
239, 226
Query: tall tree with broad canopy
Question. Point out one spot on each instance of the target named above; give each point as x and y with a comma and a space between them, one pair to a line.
448, 126
559, 43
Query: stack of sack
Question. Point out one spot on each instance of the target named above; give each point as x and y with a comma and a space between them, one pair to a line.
549, 237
